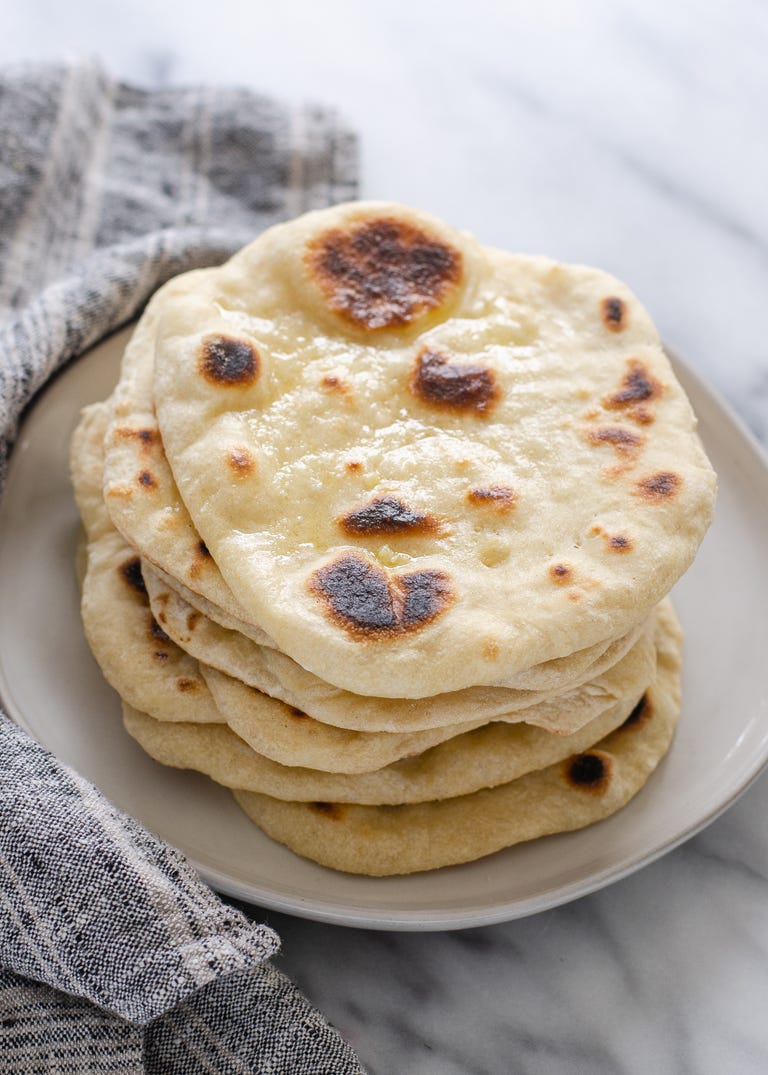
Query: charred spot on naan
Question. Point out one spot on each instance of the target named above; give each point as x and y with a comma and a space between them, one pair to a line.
130, 572
641, 714
659, 488
201, 557
619, 543
637, 390
227, 361
590, 772
371, 603
388, 515
625, 442
155, 631
187, 685
146, 439
453, 386
613, 312
146, 479
561, 574
383, 272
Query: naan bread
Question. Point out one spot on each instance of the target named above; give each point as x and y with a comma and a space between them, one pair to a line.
145, 506
270, 671
484, 758
138, 486
420, 464
561, 713
137, 658
584, 788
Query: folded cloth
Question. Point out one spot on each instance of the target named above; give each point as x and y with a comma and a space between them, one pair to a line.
114, 956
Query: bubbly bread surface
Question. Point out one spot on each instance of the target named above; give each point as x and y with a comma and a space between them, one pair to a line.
421, 464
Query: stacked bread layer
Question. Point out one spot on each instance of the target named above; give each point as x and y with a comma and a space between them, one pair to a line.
380, 527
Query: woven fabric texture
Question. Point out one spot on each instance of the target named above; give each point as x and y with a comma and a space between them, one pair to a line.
114, 956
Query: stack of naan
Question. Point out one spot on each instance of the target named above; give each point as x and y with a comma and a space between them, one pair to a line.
381, 525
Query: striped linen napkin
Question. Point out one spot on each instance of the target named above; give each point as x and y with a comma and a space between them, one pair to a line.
114, 956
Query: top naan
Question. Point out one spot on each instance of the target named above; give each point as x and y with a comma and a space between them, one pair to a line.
422, 464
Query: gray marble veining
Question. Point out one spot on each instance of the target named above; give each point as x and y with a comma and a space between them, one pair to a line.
629, 135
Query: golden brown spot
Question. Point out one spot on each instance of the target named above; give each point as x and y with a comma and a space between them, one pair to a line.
438, 382
659, 487
575, 595
193, 618
228, 361
624, 442
333, 811
147, 479
383, 273
332, 383
640, 715
160, 656
120, 492
187, 686
588, 772
614, 313
561, 574
130, 573
387, 515
241, 462
637, 389
371, 603
354, 466
146, 438
490, 649
500, 498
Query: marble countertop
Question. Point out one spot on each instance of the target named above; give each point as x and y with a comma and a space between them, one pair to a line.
624, 134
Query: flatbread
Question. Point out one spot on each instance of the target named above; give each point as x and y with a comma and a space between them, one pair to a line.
146, 508
484, 758
138, 486
420, 464
581, 790
136, 657
561, 713
273, 673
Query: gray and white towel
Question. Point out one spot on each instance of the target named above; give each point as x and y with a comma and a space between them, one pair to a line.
114, 956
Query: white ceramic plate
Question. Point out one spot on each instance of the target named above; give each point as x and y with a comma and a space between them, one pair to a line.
52, 686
